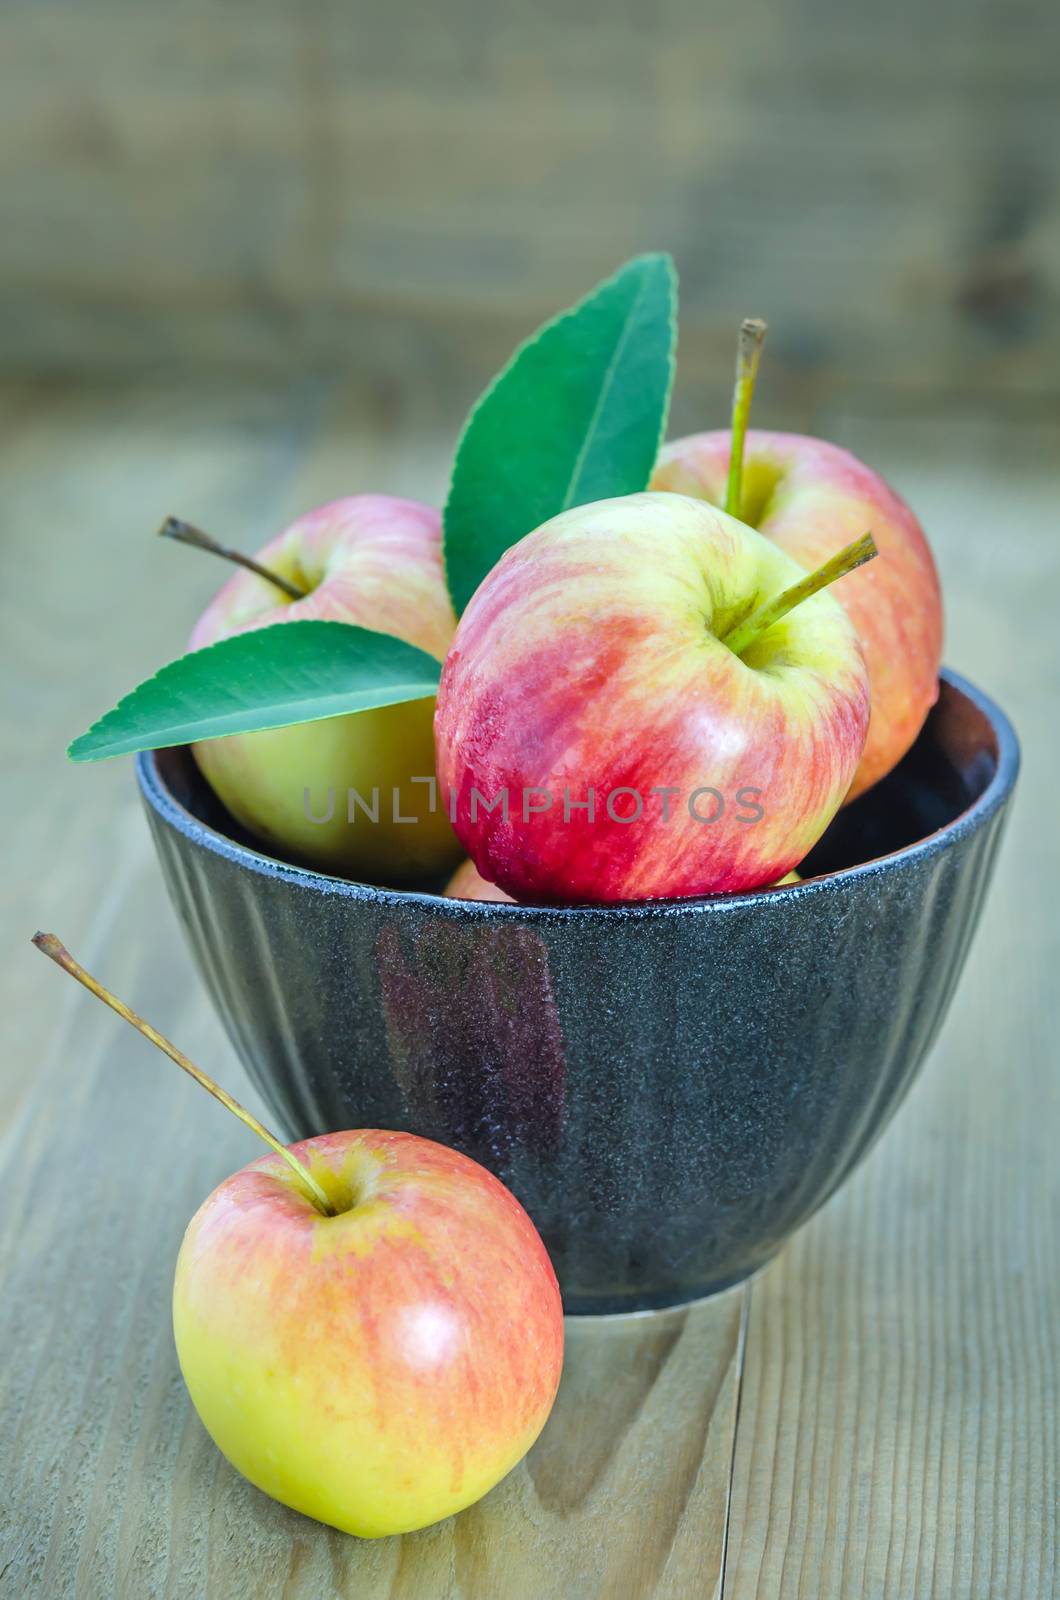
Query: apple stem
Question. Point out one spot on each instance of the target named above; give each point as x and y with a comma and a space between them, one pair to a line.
846, 560
58, 952
187, 533
748, 354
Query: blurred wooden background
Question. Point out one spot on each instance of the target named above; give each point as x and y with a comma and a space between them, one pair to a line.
401, 190
253, 257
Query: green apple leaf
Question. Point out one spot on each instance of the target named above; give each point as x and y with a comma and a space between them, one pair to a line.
578, 414
269, 678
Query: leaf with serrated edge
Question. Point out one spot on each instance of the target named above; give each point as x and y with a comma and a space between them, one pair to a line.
270, 677
578, 414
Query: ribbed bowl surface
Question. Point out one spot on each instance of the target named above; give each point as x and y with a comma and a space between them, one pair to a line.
670, 1088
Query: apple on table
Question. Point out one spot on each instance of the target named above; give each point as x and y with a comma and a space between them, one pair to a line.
368, 1323
382, 1367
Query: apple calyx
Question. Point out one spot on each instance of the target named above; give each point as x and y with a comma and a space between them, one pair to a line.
853, 555
57, 952
748, 354
187, 533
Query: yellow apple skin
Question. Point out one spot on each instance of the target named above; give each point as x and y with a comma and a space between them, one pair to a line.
383, 1368
375, 561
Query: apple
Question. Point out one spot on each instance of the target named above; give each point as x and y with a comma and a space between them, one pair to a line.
368, 1323
632, 708
376, 561
809, 497
377, 1369
467, 883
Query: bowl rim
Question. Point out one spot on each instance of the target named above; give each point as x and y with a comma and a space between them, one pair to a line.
164, 803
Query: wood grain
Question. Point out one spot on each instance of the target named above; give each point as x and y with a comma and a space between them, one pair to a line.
900, 1421
897, 1429
333, 185
111, 1485
113, 1488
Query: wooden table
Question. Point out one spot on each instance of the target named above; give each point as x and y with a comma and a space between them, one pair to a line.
875, 1415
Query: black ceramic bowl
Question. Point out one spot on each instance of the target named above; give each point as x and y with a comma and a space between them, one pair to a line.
670, 1088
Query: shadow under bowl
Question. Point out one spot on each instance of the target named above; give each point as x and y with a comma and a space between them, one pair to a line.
671, 1088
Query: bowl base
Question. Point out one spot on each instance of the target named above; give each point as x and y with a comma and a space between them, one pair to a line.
581, 1309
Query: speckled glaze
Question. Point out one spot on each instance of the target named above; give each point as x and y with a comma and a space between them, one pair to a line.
670, 1088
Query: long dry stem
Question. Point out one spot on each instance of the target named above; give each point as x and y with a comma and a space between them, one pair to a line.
58, 952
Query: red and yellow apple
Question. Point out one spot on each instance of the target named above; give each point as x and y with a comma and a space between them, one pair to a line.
381, 1368
368, 1323
467, 883
600, 740
376, 561
810, 497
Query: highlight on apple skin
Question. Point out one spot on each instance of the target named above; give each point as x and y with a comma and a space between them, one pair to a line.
381, 1368
589, 659
810, 497
376, 561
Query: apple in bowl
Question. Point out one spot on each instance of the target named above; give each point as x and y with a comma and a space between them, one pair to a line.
467, 883
647, 699
809, 497
376, 561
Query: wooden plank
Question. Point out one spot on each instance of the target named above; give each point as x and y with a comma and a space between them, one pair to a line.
898, 1424
99, 603
111, 1486
312, 188
900, 1420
